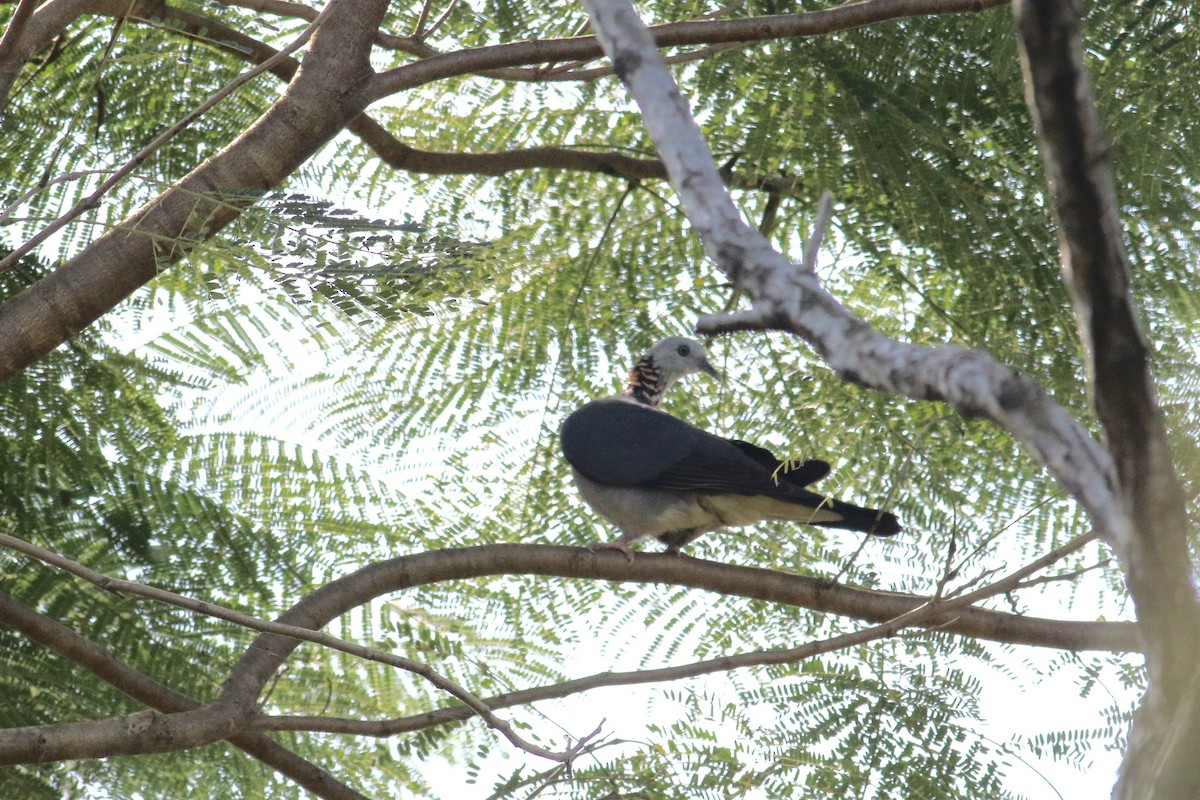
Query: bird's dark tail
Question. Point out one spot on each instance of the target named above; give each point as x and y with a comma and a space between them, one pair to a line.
830, 513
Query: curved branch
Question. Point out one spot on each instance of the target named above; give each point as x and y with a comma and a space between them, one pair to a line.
129, 681
417, 46
320, 103
298, 634
54, 17
749, 29
918, 616
118, 175
232, 710
788, 297
11, 59
716, 35
268, 651
303, 621
401, 156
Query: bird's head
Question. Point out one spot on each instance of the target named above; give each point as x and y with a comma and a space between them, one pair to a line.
677, 356
663, 364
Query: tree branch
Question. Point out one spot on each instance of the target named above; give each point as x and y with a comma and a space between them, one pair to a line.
232, 711
1096, 269
325, 95
401, 156
118, 175
54, 17
920, 615
1155, 556
10, 47
397, 574
750, 29
37, 29
728, 34
129, 681
293, 632
320, 104
789, 298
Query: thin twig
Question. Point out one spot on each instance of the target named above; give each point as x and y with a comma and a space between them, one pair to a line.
440, 20
422, 18
912, 448
980, 578
1066, 576
6, 215
983, 544
812, 247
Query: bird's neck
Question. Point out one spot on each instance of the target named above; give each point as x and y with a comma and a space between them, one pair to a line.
646, 383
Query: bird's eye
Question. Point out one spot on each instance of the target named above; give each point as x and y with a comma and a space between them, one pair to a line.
683, 350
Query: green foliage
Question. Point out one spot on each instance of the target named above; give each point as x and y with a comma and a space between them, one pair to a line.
370, 363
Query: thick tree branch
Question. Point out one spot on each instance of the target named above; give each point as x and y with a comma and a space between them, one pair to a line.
318, 104
721, 34
760, 584
411, 159
130, 734
118, 175
103, 664
269, 651
510, 61
11, 59
293, 632
1096, 268
918, 616
35, 31
54, 17
391, 150
325, 95
1160, 761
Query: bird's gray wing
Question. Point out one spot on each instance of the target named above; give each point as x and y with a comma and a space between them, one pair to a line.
800, 475
621, 443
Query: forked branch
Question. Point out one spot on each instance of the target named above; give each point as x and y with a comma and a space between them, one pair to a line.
789, 297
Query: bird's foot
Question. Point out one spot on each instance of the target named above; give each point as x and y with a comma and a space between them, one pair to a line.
620, 545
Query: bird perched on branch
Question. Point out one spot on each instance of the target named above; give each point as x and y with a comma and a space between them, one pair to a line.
651, 474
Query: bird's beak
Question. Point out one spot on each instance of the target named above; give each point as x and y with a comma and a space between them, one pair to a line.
708, 368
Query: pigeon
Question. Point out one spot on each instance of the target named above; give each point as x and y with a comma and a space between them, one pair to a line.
651, 474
